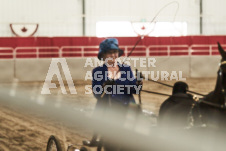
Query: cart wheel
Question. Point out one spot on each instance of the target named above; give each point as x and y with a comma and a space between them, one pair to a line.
54, 144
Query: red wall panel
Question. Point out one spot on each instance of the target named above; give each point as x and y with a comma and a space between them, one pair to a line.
123, 41
88, 41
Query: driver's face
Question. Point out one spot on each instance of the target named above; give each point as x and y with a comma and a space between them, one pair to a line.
111, 56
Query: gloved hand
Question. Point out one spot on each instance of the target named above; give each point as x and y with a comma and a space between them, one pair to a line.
109, 83
139, 78
139, 82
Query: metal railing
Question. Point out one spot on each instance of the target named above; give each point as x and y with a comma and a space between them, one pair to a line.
92, 51
78, 51
36, 52
168, 50
205, 49
6, 52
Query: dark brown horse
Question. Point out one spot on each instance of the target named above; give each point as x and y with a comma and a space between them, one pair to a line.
206, 130
212, 107
211, 135
209, 111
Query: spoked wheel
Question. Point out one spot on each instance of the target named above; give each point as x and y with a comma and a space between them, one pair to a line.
54, 144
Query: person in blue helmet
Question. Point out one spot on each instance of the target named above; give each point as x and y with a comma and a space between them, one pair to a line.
113, 84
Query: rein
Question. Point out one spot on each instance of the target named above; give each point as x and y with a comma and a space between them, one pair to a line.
155, 93
172, 87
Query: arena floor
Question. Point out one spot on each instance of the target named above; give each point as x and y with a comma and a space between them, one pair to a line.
27, 131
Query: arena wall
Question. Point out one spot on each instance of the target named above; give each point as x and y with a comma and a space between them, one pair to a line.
205, 66
7, 70
179, 65
26, 70
31, 69
94, 41
28, 59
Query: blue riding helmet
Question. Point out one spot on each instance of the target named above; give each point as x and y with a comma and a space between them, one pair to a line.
108, 44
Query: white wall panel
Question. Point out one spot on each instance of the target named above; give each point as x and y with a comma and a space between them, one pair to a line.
214, 17
55, 17
64, 17
134, 10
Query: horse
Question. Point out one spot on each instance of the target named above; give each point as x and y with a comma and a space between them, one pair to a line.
200, 120
213, 105
207, 111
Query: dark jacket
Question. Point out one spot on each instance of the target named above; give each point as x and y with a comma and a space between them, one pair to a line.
175, 111
127, 78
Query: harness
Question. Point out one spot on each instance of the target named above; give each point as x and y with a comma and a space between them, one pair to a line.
196, 103
191, 120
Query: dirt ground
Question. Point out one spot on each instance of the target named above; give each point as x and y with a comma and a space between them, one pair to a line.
25, 132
